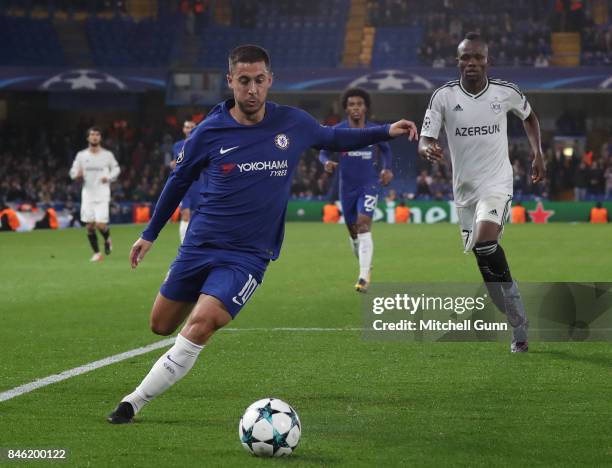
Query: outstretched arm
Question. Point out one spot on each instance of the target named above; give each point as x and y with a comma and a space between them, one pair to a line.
532, 128
344, 139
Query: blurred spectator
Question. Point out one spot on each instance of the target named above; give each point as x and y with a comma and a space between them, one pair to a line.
580, 182
402, 213
517, 32
541, 61
599, 214
608, 178
423, 183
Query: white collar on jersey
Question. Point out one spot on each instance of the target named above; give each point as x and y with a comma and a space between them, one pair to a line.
477, 95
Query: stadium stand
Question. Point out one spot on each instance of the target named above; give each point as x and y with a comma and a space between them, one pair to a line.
514, 31
29, 42
294, 35
151, 42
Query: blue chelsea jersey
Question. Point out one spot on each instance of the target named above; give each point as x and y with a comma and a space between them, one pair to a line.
248, 169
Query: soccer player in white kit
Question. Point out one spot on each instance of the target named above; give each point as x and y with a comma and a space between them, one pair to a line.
97, 168
472, 111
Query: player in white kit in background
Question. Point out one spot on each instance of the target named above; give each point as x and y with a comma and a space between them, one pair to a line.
97, 168
473, 111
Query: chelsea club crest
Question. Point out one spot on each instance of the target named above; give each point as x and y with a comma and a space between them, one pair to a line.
180, 156
281, 141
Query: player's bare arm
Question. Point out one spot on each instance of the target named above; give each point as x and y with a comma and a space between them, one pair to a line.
386, 176
139, 250
404, 127
330, 166
532, 128
430, 149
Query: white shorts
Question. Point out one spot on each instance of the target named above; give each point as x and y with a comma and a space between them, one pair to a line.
494, 208
94, 212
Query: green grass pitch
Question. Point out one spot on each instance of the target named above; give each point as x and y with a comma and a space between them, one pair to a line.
361, 403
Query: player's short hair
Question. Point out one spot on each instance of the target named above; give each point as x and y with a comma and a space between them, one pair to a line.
356, 92
473, 36
93, 129
248, 53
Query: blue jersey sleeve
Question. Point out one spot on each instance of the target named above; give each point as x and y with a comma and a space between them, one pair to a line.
189, 164
177, 147
385, 155
324, 156
345, 139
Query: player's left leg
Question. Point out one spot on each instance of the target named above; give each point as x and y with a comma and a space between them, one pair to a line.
105, 231
493, 265
366, 251
102, 218
365, 207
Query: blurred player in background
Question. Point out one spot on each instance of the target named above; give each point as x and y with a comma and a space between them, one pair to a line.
97, 168
190, 200
249, 149
473, 111
362, 171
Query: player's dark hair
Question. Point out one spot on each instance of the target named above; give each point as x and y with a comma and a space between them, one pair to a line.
473, 36
93, 129
356, 92
248, 53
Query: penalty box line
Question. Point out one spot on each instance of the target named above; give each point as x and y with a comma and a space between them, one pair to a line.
65, 375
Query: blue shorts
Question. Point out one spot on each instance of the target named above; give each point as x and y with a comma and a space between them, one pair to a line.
358, 201
230, 276
190, 200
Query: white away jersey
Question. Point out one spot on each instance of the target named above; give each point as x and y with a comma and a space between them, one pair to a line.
95, 166
475, 126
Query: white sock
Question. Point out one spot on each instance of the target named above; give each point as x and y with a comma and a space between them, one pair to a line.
366, 249
183, 229
355, 246
169, 369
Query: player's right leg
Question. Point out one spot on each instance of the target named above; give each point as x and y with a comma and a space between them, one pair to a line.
93, 241
88, 217
207, 316
221, 282
353, 239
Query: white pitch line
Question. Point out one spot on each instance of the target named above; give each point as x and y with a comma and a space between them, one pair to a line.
39, 383
17, 391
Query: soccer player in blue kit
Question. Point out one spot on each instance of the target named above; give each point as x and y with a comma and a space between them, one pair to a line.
248, 149
359, 181
190, 201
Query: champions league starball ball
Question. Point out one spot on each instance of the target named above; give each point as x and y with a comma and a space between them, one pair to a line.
270, 428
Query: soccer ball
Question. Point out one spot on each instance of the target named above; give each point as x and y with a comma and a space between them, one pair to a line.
270, 428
